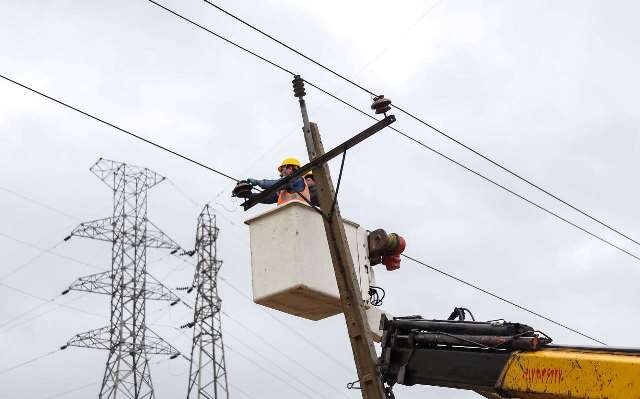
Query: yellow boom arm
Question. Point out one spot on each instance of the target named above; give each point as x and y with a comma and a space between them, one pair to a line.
503, 360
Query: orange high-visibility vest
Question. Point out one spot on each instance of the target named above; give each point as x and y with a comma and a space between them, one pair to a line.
285, 197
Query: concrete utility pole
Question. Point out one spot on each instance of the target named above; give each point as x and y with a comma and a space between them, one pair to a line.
364, 352
350, 295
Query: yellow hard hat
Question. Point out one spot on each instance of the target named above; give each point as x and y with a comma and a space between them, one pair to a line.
309, 174
289, 161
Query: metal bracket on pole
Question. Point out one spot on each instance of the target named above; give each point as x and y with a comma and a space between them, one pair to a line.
319, 160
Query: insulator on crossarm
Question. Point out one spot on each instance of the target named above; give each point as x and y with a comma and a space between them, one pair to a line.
381, 104
298, 86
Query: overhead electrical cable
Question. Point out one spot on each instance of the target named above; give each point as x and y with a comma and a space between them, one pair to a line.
38, 297
510, 302
25, 363
333, 96
288, 327
40, 254
28, 311
266, 370
286, 70
7, 326
50, 252
270, 62
39, 203
474, 286
278, 350
273, 363
291, 329
87, 114
72, 390
425, 123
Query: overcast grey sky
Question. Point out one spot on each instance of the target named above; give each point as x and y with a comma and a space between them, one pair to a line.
548, 88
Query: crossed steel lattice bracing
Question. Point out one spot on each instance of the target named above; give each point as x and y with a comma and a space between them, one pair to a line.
207, 373
127, 338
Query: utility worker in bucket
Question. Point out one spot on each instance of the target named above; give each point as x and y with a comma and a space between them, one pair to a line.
313, 189
294, 192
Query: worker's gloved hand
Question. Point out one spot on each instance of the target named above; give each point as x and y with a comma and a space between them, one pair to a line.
252, 181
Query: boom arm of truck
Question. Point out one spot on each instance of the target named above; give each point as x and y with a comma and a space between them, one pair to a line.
503, 360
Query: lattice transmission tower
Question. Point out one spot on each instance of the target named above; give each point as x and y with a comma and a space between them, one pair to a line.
207, 372
127, 338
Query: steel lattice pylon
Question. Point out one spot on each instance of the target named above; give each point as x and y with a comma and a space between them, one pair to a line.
207, 373
127, 338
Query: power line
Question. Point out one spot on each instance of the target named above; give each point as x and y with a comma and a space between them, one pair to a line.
288, 357
349, 105
38, 297
288, 327
522, 197
460, 280
338, 99
41, 204
59, 305
425, 123
237, 388
7, 326
274, 364
327, 93
476, 287
43, 252
30, 310
50, 252
80, 388
72, 390
266, 370
17, 366
183, 333
87, 114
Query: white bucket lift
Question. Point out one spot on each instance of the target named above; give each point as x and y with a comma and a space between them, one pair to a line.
291, 264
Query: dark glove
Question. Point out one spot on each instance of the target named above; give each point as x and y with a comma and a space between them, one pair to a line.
252, 181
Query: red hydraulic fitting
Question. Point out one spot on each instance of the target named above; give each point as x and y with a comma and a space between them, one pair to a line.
392, 262
386, 248
397, 244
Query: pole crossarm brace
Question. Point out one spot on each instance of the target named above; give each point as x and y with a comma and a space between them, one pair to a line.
320, 160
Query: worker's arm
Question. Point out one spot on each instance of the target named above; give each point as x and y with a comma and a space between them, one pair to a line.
264, 184
294, 187
269, 200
